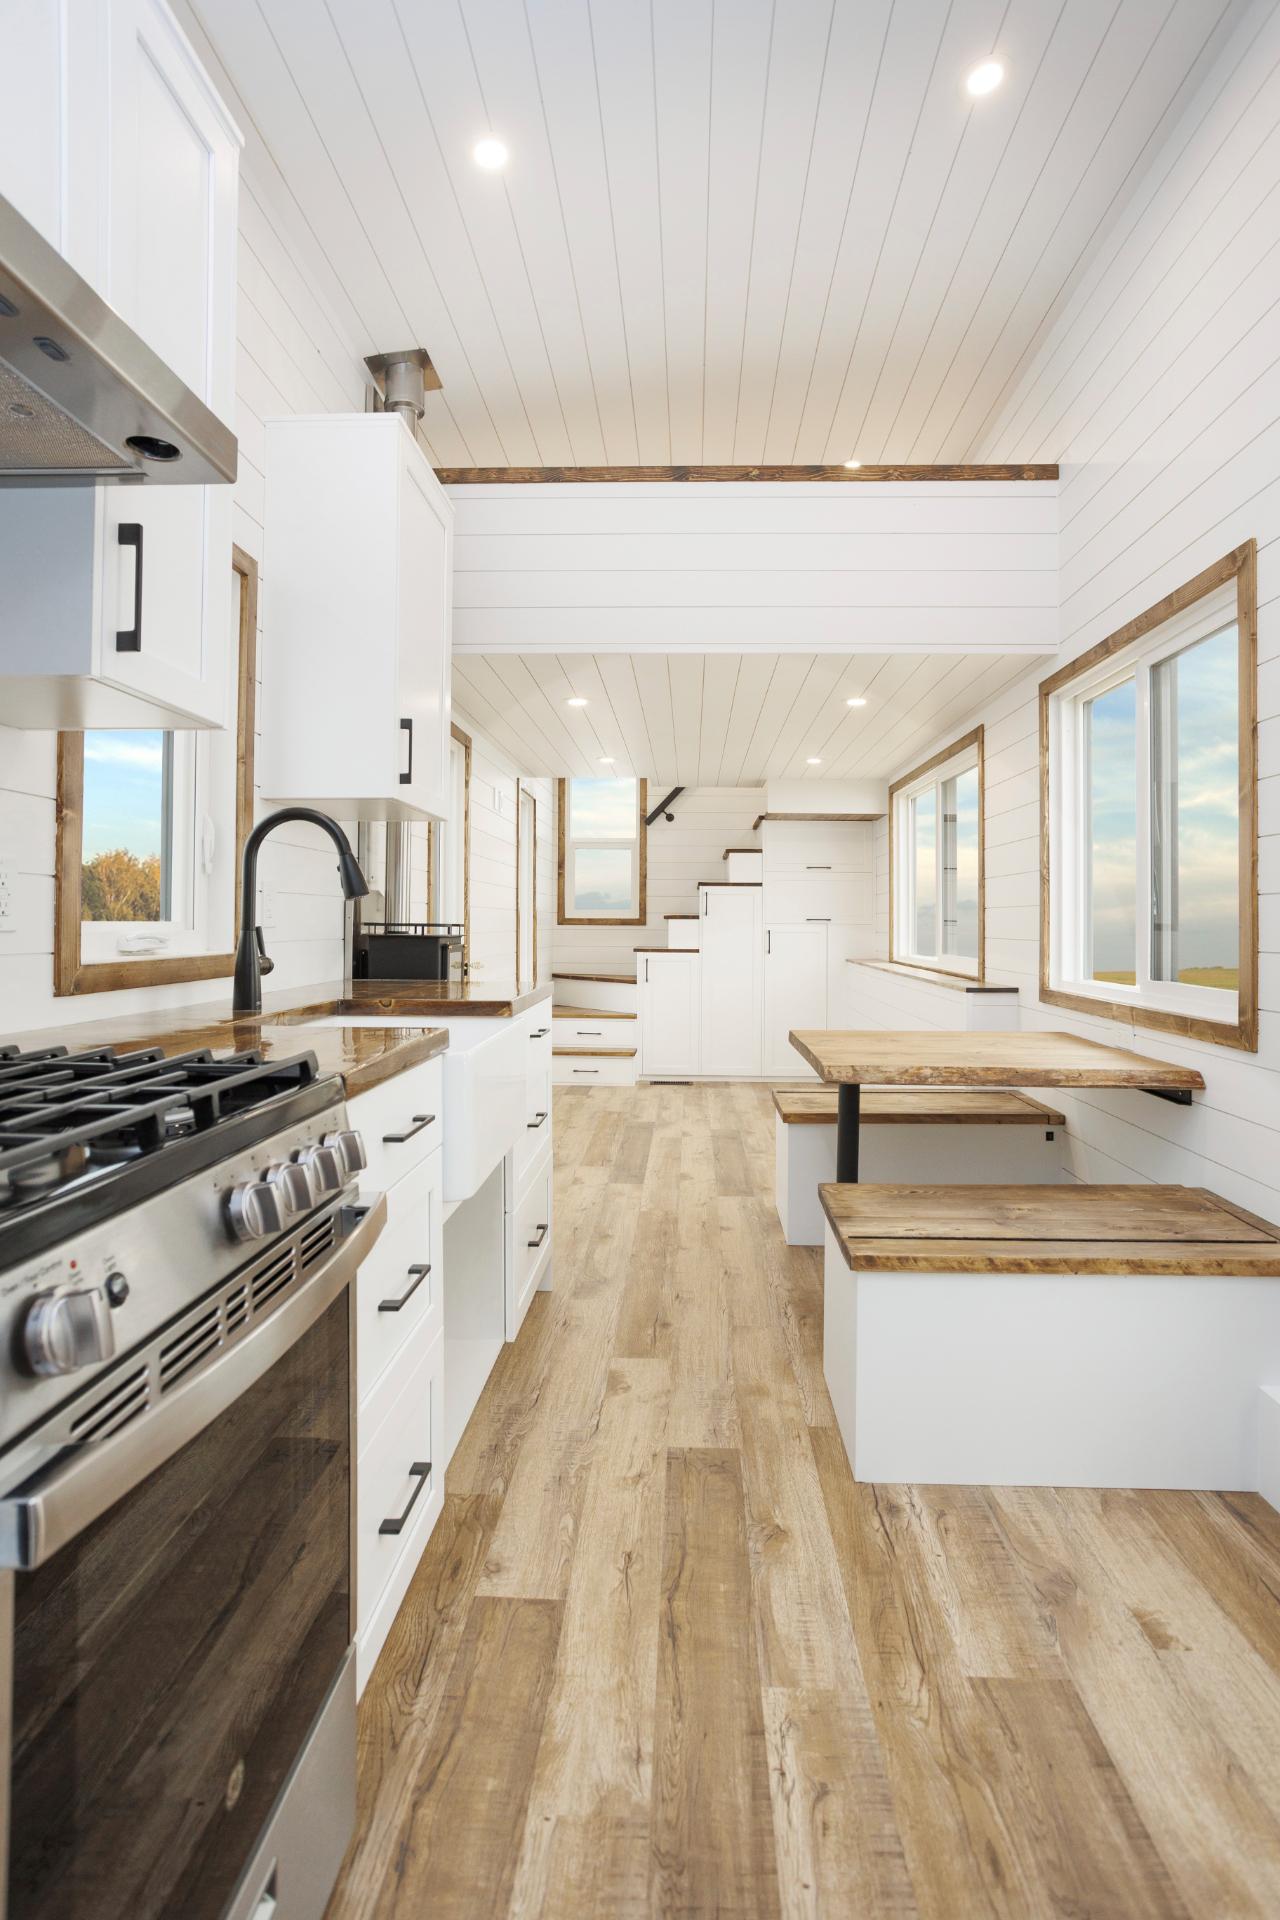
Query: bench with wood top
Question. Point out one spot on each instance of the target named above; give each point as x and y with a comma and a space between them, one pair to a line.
959, 1147
1095, 1336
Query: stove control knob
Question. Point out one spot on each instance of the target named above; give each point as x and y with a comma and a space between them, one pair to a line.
350, 1149
293, 1184
325, 1166
254, 1210
67, 1328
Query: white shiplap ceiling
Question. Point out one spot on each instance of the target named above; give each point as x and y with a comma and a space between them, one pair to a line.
730, 230
724, 720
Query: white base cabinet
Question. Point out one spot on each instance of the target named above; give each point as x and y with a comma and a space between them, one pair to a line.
670, 1008
117, 148
795, 995
358, 582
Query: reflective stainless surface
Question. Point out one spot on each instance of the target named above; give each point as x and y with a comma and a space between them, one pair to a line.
77, 384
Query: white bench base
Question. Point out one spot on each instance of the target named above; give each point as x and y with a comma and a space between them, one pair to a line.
1063, 1380
967, 1154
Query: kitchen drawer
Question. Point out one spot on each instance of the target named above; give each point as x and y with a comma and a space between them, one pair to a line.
399, 1122
399, 1493
804, 846
569, 1070
411, 1241
584, 1031
839, 898
533, 1235
535, 1137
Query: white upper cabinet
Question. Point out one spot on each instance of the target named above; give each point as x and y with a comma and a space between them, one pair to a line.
357, 576
116, 146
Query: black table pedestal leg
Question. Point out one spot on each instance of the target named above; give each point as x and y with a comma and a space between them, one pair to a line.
848, 1124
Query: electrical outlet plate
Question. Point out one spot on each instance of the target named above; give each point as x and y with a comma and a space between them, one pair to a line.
8, 909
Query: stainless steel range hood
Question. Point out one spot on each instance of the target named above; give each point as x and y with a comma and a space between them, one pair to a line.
82, 398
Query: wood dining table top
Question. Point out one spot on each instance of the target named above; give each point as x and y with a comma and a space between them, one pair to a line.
927, 1058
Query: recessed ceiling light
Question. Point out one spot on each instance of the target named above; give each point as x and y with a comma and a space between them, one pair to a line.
856, 700
985, 77
489, 154
853, 465
814, 760
606, 759
577, 701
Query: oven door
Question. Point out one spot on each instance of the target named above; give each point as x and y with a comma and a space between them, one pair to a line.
174, 1648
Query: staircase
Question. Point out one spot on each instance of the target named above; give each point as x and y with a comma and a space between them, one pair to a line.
594, 1015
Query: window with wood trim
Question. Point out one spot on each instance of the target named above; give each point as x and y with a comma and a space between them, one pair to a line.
936, 880
526, 883
1149, 895
449, 849
150, 828
602, 853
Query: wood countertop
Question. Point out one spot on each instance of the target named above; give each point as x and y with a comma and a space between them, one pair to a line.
364, 1056
409, 999
1048, 1229
942, 1059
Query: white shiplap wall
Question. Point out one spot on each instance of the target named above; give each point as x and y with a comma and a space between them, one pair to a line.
662, 567
682, 851
1161, 386
494, 782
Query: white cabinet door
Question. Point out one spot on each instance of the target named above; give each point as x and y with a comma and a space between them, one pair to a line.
732, 942
795, 995
667, 985
171, 273
357, 585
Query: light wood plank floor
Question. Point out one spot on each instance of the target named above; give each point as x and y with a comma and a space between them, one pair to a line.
663, 1657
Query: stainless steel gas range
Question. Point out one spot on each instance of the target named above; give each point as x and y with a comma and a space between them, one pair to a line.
177, 1698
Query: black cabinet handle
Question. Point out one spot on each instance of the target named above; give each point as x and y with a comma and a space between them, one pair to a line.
540, 1233
421, 1120
418, 1274
591, 1033
586, 1069
129, 639
406, 779
818, 919
814, 867
421, 1471
531, 1124
541, 1034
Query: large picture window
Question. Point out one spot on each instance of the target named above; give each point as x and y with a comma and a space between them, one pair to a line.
935, 861
1149, 892
602, 853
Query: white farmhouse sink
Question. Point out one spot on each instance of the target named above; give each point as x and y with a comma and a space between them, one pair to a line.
484, 1090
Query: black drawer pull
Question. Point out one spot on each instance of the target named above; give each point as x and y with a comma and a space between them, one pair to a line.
420, 1120
591, 1033
129, 639
541, 1232
417, 1274
814, 867
532, 1124
421, 1472
406, 778
586, 1069
818, 919
541, 1034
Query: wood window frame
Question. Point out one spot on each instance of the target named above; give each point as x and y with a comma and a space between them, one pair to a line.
433, 905
974, 738
71, 974
1240, 565
639, 919
523, 792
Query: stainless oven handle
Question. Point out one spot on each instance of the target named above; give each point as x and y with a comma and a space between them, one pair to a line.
52, 1507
